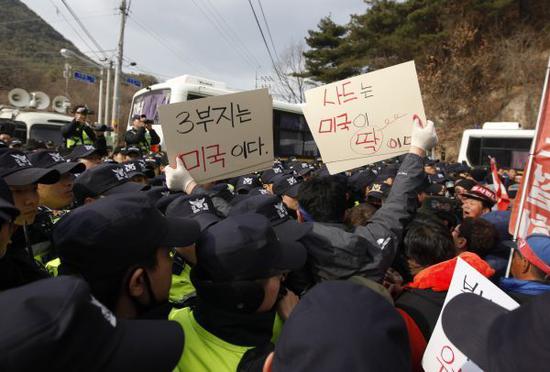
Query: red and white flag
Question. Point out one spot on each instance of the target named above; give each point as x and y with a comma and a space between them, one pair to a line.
503, 201
531, 213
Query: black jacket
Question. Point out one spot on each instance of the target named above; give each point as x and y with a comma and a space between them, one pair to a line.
17, 267
335, 253
424, 306
75, 129
136, 137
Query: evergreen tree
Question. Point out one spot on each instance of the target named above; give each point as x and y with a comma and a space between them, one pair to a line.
327, 60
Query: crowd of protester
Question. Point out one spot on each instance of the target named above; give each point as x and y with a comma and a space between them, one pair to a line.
111, 259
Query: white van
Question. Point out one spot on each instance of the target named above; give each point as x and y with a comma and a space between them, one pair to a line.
40, 126
291, 133
505, 141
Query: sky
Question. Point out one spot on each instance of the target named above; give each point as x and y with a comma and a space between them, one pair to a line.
214, 39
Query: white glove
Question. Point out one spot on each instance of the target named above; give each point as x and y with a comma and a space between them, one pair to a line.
178, 179
423, 137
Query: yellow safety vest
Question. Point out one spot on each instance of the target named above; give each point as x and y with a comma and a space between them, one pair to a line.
202, 350
181, 288
77, 140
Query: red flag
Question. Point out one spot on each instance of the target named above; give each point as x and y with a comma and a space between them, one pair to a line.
531, 212
500, 191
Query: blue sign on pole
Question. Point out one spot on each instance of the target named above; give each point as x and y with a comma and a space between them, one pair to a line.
84, 77
134, 82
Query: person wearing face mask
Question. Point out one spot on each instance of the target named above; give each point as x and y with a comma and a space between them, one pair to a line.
238, 279
122, 246
18, 267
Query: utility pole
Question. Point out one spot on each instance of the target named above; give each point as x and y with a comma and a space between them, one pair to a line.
108, 91
100, 103
118, 71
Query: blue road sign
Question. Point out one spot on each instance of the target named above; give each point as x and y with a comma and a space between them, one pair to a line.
84, 77
133, 81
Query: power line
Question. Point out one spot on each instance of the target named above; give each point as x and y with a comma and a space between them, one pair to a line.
34, 19
268, 30
263, 38
231, 32
72, 27
165, 45
79, 22
279, 74
217, 25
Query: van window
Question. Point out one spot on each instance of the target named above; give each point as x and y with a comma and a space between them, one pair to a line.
47, 132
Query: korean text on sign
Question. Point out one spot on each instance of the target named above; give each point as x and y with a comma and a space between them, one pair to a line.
220, 137
366, 118
441, 355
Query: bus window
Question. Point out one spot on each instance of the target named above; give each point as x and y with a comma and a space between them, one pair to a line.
292, 136
509, 152
148, 103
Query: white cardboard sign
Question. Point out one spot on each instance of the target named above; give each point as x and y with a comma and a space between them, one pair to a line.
220, 137
441, 355
366, 118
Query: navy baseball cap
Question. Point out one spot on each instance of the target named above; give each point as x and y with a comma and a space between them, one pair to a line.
197, 206
17, 170
105, 179
8, 212
114, 233
267, 175
57, 321
135, 168
53, 160
246, 183
343, 326
82, 151
272, 207
435, 189
360, 180
286, 185
245, 247
497, 339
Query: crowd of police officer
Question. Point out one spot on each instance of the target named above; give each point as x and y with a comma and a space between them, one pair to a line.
110, 259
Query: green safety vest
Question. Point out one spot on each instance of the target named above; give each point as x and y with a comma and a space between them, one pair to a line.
79, 140
202, 350
181, 288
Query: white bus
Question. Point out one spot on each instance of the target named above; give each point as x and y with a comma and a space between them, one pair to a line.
505, 141
290, 131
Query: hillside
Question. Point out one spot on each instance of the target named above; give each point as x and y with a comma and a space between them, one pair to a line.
477, 60
30, 59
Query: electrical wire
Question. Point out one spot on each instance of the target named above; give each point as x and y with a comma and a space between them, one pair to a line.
72, 27
79, 22
232, 34
157, 38
268, 31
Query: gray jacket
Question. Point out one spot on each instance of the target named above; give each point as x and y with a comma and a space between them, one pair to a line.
334, 253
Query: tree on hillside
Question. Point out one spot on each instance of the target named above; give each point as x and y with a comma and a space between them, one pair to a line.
326, 61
